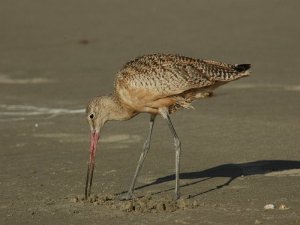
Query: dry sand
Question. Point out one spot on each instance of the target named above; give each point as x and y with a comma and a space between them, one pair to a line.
240, 160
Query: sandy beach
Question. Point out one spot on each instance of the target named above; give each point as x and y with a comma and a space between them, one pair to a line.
240, 148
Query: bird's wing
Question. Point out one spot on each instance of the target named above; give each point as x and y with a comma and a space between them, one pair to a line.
163, 75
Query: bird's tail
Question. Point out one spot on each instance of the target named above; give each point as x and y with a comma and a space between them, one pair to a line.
226, 72
234, 72
243, 69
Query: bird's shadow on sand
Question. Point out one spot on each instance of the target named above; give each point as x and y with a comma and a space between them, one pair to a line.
232, 171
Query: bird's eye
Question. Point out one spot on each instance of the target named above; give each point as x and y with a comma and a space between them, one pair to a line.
92, 116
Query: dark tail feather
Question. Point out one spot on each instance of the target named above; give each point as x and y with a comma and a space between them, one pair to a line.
242, 67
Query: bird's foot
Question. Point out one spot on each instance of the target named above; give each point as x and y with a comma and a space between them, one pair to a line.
176, 196
127, 196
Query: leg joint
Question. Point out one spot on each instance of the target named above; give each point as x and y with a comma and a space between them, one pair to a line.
146, 146
177, 143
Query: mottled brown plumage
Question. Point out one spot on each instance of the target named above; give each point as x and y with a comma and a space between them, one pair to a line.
177, 79
157, 84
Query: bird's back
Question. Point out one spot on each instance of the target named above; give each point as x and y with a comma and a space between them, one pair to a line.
168, 73
163, 75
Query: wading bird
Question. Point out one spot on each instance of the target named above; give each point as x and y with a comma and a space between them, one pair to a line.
158, 84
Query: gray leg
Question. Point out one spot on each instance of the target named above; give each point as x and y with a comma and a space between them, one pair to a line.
146, 147
165, 113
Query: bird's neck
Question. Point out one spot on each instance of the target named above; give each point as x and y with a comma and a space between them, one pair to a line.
117, 111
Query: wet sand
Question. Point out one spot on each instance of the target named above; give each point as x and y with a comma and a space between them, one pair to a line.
240, 148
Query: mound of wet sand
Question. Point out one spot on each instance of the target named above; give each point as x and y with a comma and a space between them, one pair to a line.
145, 204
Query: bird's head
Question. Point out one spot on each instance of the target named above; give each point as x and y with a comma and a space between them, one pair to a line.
98, 112
96, 116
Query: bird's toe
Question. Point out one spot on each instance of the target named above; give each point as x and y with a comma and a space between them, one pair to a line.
176, 196
126, 196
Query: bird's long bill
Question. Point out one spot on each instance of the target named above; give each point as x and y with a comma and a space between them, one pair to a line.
89, 177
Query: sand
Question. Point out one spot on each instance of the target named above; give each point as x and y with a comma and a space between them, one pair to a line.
240, 148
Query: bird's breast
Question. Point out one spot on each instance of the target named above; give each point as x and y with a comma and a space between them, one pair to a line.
142, 100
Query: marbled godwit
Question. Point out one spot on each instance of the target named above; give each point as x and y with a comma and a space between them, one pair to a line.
156, 84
